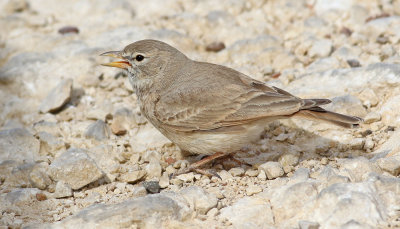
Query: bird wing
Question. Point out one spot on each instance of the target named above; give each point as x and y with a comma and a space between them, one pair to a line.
221, 99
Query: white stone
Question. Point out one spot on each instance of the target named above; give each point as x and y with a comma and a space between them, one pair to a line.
62, 190
321, 48
149, 212
390, 165
253, 189
236, 172
249, 212
372, 117
75, 168
58, 97
390, 111
132, 176
198, 199
18, 144
272, 169
187, 177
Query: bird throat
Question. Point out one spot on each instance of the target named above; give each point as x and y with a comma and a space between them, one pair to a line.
140, 86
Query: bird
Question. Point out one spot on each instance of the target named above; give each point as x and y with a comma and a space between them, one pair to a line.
206, 108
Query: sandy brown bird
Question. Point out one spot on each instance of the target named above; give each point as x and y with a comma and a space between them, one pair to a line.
206, 108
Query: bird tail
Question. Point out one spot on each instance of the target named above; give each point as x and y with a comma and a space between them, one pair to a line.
311, 110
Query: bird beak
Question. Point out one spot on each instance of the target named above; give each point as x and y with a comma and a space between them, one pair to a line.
118, 64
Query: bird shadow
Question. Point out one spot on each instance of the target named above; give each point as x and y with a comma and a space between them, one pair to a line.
285, 137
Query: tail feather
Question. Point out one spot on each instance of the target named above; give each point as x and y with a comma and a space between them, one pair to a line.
318, 113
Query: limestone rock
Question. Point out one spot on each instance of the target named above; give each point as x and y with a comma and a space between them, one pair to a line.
18, 144
272, 169
143, 212
62, 190
133, 176
75, 168
249, 212
390, 164
98, 130
58, 97
198, 199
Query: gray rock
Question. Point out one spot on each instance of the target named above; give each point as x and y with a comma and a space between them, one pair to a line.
390, 111
153, 169
105, 158
21, 196
340, 203
321, 48
388, 191
58, 97
143, 212
390, 165
19, 176
249, 212
301, 174
380, 75
347, 104
62, 190
49, 144
151, 186
358, 168
22, 64
75, 168
38, 176
288, 201
132, 176
18, 144
272, 169
198, 199
392, 145
48, 127
236, 172
98, 130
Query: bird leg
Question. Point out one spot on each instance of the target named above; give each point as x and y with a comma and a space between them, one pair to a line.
196, 166
232, 158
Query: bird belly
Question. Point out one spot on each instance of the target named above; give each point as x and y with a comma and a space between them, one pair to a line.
225, 140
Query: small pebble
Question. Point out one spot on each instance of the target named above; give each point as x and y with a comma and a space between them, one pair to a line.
68, 29
236, 172
252, 172
346, 31
187, 177
272, 169
353, 63
215, 47
253, 189
262, 175
41, 196
151, 186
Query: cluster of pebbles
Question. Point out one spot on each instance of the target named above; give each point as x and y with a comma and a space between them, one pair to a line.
75, 151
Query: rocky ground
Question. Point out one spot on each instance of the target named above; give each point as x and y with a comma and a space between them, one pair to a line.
75, 151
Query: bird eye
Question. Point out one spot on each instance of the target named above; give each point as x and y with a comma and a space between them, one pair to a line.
139, 57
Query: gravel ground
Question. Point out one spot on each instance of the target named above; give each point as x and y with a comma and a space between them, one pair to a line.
75, 150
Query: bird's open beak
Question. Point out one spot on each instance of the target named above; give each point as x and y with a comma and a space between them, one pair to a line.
118, 64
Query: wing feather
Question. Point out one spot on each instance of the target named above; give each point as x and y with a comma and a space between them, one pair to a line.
232, 100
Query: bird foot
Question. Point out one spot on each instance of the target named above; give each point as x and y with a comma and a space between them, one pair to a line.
195, 167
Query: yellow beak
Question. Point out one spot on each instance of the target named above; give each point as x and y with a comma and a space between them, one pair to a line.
118, 64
